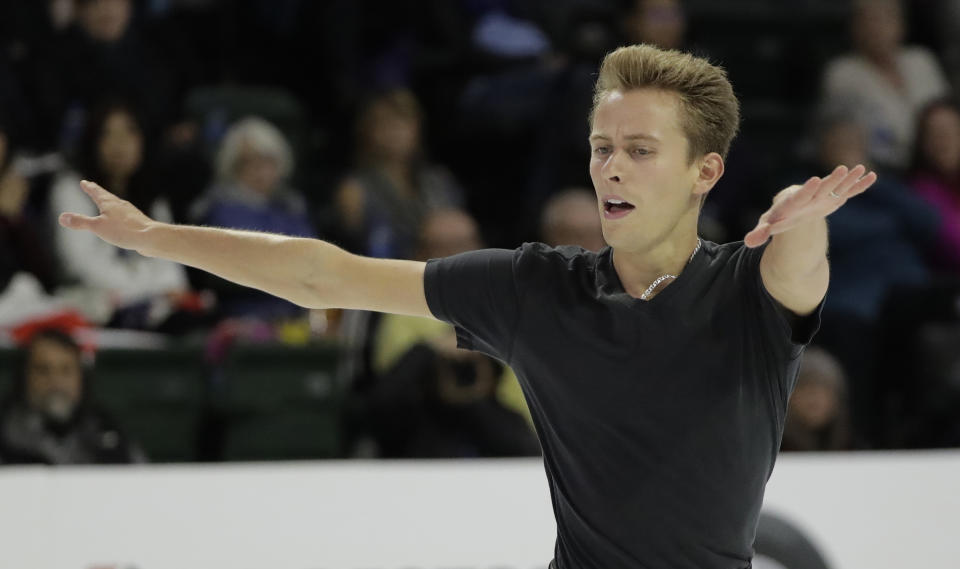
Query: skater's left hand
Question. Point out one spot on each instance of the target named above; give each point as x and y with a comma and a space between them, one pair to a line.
815, 199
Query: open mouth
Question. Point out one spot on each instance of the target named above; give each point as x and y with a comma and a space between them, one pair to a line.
615, 208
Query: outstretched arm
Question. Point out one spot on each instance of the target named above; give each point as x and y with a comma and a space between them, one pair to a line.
308, 272
794, 266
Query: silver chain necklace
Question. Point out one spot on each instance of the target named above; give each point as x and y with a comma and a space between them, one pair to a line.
662, 278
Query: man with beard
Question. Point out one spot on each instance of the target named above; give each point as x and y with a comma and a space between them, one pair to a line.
48, 418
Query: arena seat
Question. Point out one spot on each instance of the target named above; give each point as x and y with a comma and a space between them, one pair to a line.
156, 396
279, 402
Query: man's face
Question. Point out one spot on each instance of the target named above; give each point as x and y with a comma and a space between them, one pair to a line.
639, 156
54, 379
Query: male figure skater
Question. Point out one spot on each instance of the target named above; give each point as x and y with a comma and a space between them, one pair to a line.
657, 370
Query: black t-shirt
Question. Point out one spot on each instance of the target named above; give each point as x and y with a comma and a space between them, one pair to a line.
660, 420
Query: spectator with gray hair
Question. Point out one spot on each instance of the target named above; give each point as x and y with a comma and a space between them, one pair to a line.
253, 165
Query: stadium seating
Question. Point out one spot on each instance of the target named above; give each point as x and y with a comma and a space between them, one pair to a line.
156, 396
279, 402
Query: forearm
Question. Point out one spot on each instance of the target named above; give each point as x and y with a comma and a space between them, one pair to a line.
799, 251
308, 272
794, 266
297, 269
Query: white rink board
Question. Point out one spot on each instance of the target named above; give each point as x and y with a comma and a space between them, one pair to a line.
863, 510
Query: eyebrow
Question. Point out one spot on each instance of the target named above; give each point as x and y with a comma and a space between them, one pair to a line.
627, 137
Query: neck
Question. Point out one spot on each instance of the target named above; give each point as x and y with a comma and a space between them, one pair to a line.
639, 269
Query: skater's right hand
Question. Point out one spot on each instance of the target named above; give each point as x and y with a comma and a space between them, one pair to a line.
119, 222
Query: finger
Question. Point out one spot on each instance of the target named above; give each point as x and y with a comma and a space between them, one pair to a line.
836, 179
862, 185
758, 236
96, 193
806, 193
847, 183
77, 221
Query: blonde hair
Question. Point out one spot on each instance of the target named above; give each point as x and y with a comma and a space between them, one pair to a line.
261, 137
709, 109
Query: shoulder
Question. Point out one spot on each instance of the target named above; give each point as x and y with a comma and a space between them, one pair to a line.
732, 264
530, 264
565, 257
721, 254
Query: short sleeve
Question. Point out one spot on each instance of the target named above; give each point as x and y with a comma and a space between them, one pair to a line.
479, 293
795, 332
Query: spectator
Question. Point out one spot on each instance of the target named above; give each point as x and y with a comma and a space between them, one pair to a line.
884, 83
431, 399
104, 53
253, 165
662, 23
817, 415
881, 239
878, 244
114, 152
382, 203
22, 248
572, 217
49, 417
936, 175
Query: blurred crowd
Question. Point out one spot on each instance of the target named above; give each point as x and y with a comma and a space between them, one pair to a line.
422, 129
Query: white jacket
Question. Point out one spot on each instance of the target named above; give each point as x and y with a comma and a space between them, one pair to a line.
94, 263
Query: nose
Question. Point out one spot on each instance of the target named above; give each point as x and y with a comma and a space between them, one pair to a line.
612, 170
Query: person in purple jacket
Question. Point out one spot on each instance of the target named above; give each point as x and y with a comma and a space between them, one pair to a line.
253, 164
936, 176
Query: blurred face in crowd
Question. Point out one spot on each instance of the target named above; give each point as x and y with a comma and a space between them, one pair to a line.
658, 22
258, 171
813, 404
54, 379
391, 135
816, 401
570, 218
941, 140
639, 155
448, 232
120, 148
843, 143
878, 28
105, 20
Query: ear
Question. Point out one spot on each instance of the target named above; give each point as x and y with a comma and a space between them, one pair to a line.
711, 168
